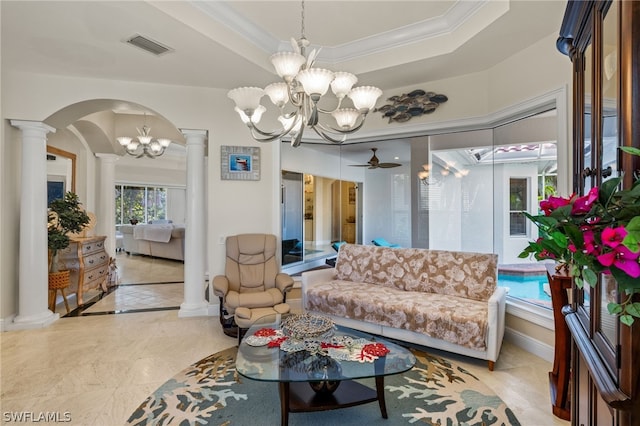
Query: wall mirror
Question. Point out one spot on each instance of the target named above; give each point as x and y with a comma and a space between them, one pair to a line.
61, 173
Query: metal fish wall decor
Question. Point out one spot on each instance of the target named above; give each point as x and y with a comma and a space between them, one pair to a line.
412, 104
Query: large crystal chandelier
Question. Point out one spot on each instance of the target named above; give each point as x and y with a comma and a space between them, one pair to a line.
298, 96
144, 144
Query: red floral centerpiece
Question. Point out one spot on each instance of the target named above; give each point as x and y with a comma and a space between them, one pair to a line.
598, 233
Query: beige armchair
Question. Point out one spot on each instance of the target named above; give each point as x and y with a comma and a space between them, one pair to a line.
252, 285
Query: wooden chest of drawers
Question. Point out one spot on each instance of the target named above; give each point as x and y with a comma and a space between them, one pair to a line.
88, 262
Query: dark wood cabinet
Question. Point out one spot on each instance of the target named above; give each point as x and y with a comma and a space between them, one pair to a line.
602, 39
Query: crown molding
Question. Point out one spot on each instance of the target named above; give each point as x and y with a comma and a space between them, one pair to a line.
453, 20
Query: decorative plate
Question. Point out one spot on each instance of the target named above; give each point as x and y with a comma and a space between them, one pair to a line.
304, 326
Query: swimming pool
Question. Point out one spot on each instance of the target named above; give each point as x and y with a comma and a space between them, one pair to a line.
527, 287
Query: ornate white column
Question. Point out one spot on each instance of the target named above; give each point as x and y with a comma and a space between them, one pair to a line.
195, 244
106, 203
33, 287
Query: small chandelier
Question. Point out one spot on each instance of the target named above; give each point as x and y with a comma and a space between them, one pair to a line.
151, 147
426, 177
302, 89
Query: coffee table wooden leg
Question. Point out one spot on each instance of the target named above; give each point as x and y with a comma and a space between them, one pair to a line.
284, 403
380, 391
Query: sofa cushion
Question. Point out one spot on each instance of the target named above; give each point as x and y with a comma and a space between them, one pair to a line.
460, 274
454, 319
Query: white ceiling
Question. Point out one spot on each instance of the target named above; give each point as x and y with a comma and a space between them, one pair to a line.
228, 44
225, 44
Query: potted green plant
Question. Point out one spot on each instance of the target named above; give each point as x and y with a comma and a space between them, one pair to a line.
65, 215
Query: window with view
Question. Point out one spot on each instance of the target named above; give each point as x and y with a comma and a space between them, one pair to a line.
141, 204
518, 189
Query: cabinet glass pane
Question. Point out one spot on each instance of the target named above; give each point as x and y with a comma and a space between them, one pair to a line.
607, 324
610, 81
588, 89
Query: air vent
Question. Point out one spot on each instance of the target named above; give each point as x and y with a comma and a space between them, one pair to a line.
149, 45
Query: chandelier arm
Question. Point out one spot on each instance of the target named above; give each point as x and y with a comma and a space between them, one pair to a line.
295, 142
261, 133
329, 112
330, 129
262, 136
296, 98
328, 138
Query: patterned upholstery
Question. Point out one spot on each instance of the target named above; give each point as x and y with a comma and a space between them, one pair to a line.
442, 294
468, 275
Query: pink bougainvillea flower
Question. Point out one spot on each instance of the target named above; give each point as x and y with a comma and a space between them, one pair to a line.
582, 205
623, 259
612, 237
553, 203
590, 245
572, 248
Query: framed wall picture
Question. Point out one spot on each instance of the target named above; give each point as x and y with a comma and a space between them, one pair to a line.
239, 163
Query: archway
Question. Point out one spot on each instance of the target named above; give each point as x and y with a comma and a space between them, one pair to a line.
90, 128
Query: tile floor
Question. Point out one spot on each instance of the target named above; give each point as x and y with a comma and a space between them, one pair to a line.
99, 368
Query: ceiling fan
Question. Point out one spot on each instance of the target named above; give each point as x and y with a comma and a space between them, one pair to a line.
375, 163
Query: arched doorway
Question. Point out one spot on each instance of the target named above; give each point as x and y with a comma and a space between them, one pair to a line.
89, 130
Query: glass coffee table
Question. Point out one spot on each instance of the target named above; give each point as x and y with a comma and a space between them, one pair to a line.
319, 373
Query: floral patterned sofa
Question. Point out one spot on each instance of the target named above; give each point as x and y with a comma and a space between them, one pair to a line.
441, 299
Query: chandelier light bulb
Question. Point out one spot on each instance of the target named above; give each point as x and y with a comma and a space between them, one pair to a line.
315, 81
124, 140
145, 140
346, 117
155, 147
133, 145
278, 93
287, 64
164, 142
247, 99
342, 83
364, 97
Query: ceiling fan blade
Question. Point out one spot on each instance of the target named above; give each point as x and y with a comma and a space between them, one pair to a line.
375, 163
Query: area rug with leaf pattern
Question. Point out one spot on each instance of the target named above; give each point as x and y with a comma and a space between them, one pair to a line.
434, 392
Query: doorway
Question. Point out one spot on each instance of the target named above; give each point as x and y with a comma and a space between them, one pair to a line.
317, 211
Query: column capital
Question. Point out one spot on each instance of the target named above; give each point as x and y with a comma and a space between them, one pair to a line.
194, 135
106, 157
33, 125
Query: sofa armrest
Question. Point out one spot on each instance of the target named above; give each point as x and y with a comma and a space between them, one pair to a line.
310, 278
220, 286
496, 322
284, 282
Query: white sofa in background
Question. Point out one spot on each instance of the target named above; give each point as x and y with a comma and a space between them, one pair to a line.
164, 240
441, 299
